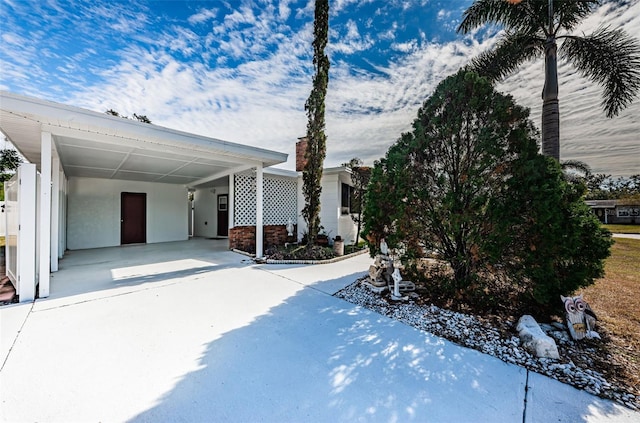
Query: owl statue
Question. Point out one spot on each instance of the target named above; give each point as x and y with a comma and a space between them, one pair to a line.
581, 320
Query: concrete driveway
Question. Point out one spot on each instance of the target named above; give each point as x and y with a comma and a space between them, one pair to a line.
191, 332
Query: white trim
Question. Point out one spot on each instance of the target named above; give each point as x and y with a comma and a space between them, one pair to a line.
228, 172
280, 172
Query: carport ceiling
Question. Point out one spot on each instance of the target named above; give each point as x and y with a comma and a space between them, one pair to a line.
108, 161
97, 145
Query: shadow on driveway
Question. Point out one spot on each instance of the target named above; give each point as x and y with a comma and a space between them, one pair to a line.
318, 358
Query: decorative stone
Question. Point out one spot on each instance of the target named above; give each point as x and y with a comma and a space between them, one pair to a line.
534, 339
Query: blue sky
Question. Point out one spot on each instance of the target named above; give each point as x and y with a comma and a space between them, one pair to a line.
241, 70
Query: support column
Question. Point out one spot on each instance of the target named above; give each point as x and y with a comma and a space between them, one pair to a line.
62, 215
259, 210
232, 200
45, 214
55, 212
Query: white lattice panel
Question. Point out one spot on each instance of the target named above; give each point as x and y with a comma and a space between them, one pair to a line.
244, 197
279, 200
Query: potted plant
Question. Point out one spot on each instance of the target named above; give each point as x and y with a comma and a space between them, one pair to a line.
323, 238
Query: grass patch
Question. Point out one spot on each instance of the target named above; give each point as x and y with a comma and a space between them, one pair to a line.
623, 229
2, 241
616, 301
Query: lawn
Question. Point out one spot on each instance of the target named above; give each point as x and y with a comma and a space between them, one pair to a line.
623, 229
616, 301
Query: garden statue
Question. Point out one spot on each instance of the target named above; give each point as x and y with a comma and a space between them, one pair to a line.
384, 249
384, 274
580, 319
397, 280
290, 228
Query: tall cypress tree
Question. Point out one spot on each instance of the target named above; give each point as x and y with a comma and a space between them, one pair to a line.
316, 138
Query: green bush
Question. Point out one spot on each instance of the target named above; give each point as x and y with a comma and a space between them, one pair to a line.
469, 184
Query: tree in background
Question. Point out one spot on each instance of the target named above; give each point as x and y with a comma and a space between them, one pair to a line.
315, 107
469, 184
139, 118
360, 176
532, 28
9, 162
600, 186
603, 187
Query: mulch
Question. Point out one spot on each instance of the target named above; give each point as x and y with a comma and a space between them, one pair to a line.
7, 291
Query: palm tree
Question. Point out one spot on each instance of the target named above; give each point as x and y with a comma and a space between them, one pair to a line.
575, 170
532, 28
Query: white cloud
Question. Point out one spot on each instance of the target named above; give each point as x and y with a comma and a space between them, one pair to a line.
202, 16
349, 42
261, 101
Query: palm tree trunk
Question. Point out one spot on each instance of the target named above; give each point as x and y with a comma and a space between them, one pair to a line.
550, 105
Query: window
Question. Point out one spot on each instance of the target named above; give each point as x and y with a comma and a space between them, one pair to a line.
628, 212
349, 203
222, 203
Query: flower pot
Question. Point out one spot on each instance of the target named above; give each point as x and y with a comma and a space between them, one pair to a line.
338, 247
322, 240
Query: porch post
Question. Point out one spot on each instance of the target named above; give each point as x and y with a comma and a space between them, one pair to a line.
231, 203
45, 214
259, 219
55, 212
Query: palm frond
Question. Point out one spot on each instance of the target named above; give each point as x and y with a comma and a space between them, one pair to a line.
612, 59
523, 16
570, 13
575, 166
511, 51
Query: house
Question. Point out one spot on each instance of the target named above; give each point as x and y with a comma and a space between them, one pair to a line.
116, 181
335, 199
616, 211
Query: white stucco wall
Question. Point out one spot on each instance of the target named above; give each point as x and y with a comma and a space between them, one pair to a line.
206, 211
330, 204
93, 211
330, 218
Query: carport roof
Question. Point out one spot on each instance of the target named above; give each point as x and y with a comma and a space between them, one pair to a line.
92, 144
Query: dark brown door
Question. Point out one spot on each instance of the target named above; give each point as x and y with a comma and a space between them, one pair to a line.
133, 218
223, 215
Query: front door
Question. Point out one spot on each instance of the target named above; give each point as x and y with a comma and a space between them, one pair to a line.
223, 215
133, 218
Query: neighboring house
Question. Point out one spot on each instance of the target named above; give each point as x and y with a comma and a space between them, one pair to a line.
616, 211
116, 181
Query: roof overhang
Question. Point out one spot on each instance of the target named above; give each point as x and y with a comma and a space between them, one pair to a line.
97, 145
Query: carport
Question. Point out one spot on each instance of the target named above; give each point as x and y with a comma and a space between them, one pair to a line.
109, 181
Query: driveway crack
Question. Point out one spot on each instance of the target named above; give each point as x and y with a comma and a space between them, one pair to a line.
526, 393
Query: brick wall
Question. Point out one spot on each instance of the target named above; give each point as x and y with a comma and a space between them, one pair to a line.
244, 237
301, 147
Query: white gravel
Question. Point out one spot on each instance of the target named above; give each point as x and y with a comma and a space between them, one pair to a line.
501, 342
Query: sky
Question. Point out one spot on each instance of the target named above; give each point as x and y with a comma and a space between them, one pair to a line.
241, 70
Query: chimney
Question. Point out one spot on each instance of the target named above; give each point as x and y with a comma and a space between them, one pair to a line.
301, 148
